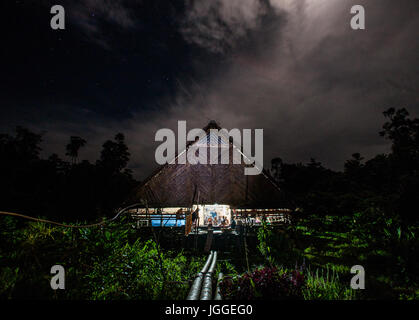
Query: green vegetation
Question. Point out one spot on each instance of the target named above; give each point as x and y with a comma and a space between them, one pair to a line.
365, 215
331, 245
100, 263
325, 284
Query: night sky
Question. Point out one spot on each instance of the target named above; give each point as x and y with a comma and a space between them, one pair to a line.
292, 67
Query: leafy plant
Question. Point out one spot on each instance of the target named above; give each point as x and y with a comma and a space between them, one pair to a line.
263, 283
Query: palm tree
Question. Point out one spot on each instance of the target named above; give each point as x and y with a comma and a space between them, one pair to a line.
73, 148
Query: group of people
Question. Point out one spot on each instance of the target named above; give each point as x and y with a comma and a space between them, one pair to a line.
222, 221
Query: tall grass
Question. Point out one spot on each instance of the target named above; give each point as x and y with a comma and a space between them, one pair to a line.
325, 284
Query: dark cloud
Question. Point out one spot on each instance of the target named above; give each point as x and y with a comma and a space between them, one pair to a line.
219, 25
93, 17
294, 68
317, 87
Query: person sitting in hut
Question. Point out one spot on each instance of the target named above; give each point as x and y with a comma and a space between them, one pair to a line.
233, 223
223, 221
195, 216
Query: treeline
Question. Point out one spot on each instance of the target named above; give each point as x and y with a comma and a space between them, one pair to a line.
70, 190
386, 185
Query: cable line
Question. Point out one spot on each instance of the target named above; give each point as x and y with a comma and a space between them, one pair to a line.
13, 214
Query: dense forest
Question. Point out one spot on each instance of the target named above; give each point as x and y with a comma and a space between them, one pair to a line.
387, 183
70, 190
365, 214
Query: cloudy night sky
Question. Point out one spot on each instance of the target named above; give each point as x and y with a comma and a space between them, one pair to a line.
294, 68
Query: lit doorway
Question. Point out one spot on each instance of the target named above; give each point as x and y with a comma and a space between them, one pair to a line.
218, 214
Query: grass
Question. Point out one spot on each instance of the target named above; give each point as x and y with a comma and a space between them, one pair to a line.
386, 259
325, 284
100, 262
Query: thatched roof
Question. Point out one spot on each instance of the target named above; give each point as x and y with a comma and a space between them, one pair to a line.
176, 185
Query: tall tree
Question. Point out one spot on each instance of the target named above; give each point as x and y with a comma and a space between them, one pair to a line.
114, 156
403, 132
276, 166
352, 166
73, 148
26, 144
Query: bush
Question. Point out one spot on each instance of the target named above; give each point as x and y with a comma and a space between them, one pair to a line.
109, 262
134, 272
263, 283
278, 246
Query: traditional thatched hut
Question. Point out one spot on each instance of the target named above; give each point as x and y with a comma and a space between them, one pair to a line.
219, 187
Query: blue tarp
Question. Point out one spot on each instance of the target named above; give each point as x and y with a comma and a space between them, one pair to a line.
167, 222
